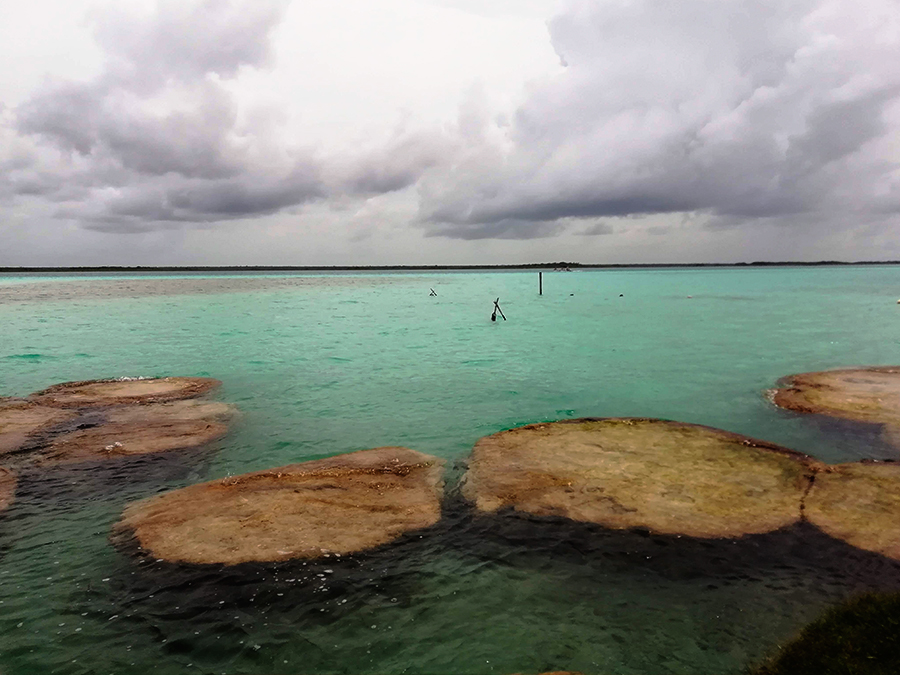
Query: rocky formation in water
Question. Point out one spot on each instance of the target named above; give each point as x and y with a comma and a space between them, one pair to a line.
859, 394
7, 488
22, 421
339, 505
123, 391
141, 429
859, 635
860, 504
104, 419
667, 477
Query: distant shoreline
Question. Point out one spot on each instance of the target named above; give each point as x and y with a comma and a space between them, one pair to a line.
428, 268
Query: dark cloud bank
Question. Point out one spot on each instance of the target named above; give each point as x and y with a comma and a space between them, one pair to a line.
129, 167
742, 111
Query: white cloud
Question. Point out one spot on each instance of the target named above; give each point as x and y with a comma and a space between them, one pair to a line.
413, 129
741, 108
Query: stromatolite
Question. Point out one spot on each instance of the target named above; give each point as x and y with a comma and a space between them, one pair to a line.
7, 488
21, 421
860, 394
338, 505
123, 391
860, 504
141, 429
667, 477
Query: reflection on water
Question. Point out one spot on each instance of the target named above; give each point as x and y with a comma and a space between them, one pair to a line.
329, 364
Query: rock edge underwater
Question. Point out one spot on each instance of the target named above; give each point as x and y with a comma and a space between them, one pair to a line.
98, 420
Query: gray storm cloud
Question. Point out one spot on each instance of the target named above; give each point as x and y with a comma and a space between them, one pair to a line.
743, 110
155, 139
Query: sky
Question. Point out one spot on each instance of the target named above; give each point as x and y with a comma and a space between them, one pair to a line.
382, 132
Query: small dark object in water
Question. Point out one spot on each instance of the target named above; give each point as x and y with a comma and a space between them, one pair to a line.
861, 635
621, 295
497, 309
433, 294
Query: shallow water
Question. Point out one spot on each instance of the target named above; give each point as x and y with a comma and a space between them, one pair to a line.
329, 363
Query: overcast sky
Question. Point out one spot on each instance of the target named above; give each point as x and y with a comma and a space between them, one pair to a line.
320, 132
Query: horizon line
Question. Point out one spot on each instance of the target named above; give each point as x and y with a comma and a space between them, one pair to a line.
321, 268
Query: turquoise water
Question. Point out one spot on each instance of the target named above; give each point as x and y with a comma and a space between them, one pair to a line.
323, 364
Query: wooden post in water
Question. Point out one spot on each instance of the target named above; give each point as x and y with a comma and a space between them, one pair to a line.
541, 284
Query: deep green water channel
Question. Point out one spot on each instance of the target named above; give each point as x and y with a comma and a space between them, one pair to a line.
324, 364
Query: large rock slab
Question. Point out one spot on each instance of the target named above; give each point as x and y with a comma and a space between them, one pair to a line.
860, 394
123, 391
341, 505
860, 504
141, 430
7, 488
21, 421
668, 477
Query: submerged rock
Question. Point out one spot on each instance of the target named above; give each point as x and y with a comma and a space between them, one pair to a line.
140, 430
860, 504
123, 391
21, 421
7, 488
668, 477
859, 394
857, 636
339, 505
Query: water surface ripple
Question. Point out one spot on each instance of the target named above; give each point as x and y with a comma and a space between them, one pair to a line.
329, 363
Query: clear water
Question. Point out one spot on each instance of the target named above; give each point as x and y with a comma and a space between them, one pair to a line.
324, 364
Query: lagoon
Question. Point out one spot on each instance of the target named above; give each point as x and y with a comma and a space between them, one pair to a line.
321, 364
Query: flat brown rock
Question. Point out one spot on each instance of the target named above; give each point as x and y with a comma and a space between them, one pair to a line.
141, 430
123, 391
860, 504
20, 420
339, 505
668, 477
7, 488
860, 394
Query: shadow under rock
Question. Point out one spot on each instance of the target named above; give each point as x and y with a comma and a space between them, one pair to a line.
800, 553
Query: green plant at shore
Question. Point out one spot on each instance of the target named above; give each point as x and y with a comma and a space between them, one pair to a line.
860, 636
